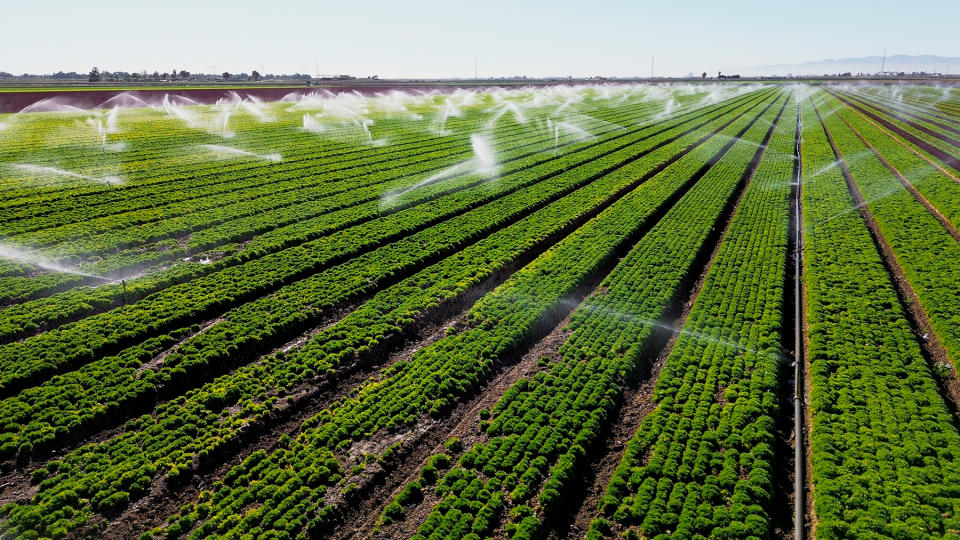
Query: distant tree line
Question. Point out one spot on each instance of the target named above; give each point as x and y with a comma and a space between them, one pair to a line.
173, 75
98, 75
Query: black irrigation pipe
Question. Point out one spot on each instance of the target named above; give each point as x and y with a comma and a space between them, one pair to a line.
798, 449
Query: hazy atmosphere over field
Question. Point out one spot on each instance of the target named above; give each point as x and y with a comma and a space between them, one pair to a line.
449, 270
443, 39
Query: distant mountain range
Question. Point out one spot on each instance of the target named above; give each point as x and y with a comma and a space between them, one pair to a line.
868, 64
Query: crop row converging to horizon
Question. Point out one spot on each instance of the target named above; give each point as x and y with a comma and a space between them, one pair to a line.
563, 311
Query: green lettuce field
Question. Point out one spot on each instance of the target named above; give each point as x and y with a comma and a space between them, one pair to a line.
534, 312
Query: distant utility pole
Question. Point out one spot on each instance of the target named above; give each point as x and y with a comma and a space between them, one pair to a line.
883, 65
651, 66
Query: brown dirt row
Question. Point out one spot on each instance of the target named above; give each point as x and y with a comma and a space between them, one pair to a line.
899, 141
923, 107
15, 486
909, 187
158, 359
900, 109
951, 160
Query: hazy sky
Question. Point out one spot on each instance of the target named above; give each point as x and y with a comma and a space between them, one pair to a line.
442, 39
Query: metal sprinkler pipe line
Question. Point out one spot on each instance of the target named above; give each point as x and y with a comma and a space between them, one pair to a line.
798, 453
